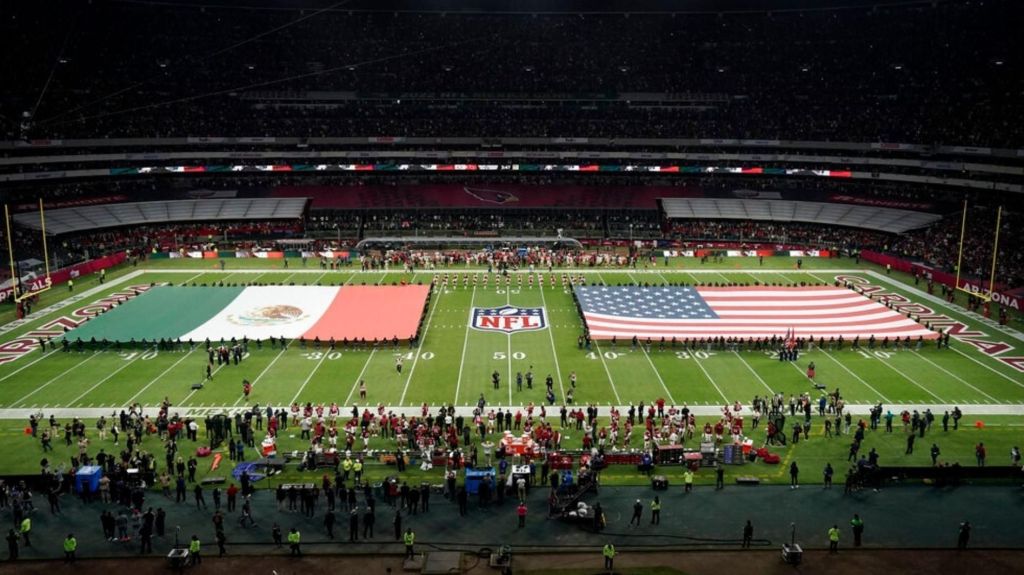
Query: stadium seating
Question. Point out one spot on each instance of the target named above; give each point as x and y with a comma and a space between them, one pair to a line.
869, 74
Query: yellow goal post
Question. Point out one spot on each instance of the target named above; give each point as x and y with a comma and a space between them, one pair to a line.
982, 294
18, 292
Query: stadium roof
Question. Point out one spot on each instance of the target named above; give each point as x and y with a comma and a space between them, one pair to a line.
82, 218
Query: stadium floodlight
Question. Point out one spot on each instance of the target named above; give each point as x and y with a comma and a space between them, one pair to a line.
17, 290
981, 293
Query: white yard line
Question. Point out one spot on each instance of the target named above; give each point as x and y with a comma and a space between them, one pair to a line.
986, 366
191, 278
955, 376
465, 342
100, 382
508, 382
359, 378
257, 278
611, 380
43, 356
551, 336
855, 376
261, 374
658, 375
308, 378
419, 347
55, 378
757, 375
193, 392
600, 355
911, 380
157, 378
818, 278
711, 379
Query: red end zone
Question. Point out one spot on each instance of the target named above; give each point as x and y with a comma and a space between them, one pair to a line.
369, 312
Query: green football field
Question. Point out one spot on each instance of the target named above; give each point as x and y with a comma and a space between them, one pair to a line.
453, 364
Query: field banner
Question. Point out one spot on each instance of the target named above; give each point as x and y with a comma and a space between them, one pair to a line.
745, 312
267, 311
262, 312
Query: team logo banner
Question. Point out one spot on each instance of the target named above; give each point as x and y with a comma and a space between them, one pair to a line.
508, 319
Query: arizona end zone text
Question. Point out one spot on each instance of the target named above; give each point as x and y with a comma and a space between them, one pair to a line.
28, 342
927, 315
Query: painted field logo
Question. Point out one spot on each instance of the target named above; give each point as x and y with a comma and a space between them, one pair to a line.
268, 315
508, 319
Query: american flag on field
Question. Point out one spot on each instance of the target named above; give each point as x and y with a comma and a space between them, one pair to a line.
746, 312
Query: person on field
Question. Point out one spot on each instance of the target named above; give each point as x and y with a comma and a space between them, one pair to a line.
833, 539
609, 556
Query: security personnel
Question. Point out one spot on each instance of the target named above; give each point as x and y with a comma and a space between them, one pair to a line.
70, 544
193, 551
833, 539
857, 524
409, 538
293, 541
609, 556
688, 481
656, 511
357, 469
346, 468
26, 527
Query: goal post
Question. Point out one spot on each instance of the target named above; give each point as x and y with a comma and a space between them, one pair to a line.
982, 294
18, 292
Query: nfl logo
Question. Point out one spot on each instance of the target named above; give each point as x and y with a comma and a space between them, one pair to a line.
508, 319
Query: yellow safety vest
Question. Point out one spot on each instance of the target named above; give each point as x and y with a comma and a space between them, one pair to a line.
26, 525
609, 551
833, 534
409, 538
70, 544
293, 537
194, 546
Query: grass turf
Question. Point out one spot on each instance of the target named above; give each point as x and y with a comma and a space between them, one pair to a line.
454, 364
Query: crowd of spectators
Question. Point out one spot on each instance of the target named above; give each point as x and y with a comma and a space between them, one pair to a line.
925, 73
939, 245
489, 222
767, 233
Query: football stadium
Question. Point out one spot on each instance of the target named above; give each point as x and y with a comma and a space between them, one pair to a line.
560, 287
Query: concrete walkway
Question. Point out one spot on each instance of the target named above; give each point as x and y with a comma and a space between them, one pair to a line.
901, 517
